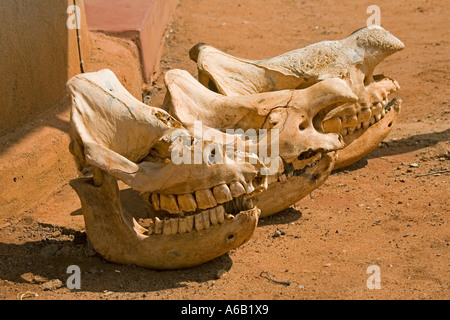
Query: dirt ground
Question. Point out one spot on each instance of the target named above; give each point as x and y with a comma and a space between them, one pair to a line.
387, 210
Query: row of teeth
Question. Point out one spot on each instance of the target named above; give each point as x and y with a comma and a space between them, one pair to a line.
290, 169
200, 221
202, 199
366, 118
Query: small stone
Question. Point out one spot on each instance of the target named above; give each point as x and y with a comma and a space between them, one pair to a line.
52, 285
414, 165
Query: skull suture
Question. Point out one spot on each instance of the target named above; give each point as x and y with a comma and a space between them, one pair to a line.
306, 156
363, 124
198, 211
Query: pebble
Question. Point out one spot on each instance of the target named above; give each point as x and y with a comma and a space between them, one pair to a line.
52, 285
414, 165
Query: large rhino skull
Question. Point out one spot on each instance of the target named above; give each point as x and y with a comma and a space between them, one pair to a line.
305, 155
363, 124
197, 211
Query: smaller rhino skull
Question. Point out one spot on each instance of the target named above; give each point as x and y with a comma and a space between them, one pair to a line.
197, 212
305, 155
363, 124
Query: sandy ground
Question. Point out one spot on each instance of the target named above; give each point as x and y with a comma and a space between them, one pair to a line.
382, 210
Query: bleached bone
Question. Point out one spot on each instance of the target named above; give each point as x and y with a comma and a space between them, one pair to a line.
352, 59
122, 138
306, 156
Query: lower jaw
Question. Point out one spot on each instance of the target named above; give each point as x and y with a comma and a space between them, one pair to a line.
363, 142
118, 238
281, 195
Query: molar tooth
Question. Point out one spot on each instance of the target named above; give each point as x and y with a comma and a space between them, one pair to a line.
155, 202
158, 226
249, 187
186, 202
378, 117
350, 130
182, 226
189, 223
198, 218
282, 177
151, 227
352, 121
205, 199
174, 225
383, 113
365, 115
222, 193
372, 120
206, 219
366, 124
213, 216
343, 132
236, 189
332, 125
169, 203
220, 212
359, 126
384, 103
377, 108
167, 228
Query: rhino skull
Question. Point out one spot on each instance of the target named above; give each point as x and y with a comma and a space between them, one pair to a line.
305, 156
196, 211
363, 124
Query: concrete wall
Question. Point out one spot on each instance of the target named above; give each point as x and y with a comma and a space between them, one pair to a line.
38, 54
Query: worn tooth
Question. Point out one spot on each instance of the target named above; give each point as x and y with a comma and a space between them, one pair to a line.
236, 189
151, 227
155, 201
249, 187
364, 115
167, 228
205, 199
366, 124
189, 223
350, 131
282, 177
222, 193
220, 212
378, 117
213, 216
352, 121
158, 226
186, 202
260, 183
384, 103
198, 219
359, 126
377, 108
206, 219
332, 125
169, 203
343, 132
182, 226
372, 120
383, 113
